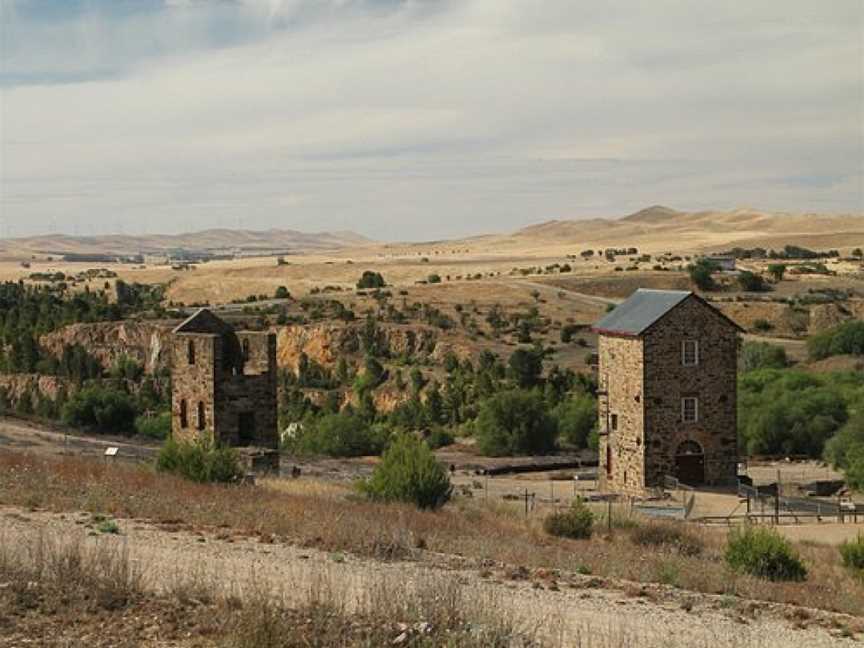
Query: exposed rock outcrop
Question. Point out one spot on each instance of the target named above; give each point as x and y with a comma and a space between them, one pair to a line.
146, 342
15, 385
325, 343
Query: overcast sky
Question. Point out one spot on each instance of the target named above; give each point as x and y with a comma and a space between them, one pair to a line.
420, 119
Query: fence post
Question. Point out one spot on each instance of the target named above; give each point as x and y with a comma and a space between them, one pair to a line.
526, 502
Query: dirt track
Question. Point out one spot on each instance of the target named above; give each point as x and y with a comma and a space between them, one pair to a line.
563, 608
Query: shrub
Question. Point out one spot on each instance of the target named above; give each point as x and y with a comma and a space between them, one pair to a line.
845, 338
371, 279
438, 438
409, 472
701, 274
667, 534
515, 422
576, 522
751, 282
340, 435
200, 462
104, 409
762, 355
154, 427
852, 553
762, 325
282, 293
763, 552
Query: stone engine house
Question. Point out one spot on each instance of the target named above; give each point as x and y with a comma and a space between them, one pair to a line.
223, 386
667, 373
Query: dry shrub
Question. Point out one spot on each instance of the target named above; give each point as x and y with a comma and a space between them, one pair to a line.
52, 575
668, 535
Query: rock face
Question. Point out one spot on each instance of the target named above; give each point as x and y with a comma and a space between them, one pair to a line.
147, 342
15, 385
326, 343
825, 316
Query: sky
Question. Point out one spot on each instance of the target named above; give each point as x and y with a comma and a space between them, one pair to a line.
422, 119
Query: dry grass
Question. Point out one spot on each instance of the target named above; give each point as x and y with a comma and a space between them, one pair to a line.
334, 519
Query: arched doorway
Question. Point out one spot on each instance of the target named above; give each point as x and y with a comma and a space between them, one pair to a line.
690, 464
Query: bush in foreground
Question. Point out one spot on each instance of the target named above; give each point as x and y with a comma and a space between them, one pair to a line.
199, 462
764, 553
409, 472
852, 553
670, 535
576, 522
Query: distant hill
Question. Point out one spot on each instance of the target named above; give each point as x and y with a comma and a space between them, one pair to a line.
662, 227
212, 241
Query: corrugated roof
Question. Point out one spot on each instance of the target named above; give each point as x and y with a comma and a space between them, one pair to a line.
640, 310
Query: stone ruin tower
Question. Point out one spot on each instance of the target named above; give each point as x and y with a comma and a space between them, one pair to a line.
667, 374
223, 388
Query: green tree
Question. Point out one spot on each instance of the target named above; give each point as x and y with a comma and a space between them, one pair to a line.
282, 293
434, 278
702, 274
858, 252
371, 279
409, 472
515, 422
751, 282
525, 367
777, 271
762, 355
576, 417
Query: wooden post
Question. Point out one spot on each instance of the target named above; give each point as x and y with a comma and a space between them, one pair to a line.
526, 502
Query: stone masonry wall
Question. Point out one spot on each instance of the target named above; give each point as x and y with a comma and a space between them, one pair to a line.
194, 384
620, 372
253, 393
713, 381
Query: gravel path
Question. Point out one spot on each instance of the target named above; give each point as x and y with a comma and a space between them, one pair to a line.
565, 611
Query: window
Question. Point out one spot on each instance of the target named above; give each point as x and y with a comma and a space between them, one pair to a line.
690, 409
190, 352
184, 419
614, 422
690, 353
202, 419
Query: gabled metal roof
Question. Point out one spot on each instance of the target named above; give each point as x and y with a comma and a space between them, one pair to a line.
639, 311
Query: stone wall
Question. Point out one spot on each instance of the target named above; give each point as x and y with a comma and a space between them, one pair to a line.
226, 387
252, 393
713, 381
194, 384
620, 374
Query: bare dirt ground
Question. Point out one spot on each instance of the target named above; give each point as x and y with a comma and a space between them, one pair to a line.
561, 608
16, 434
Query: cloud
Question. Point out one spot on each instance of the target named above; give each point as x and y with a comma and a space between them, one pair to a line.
422, 119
